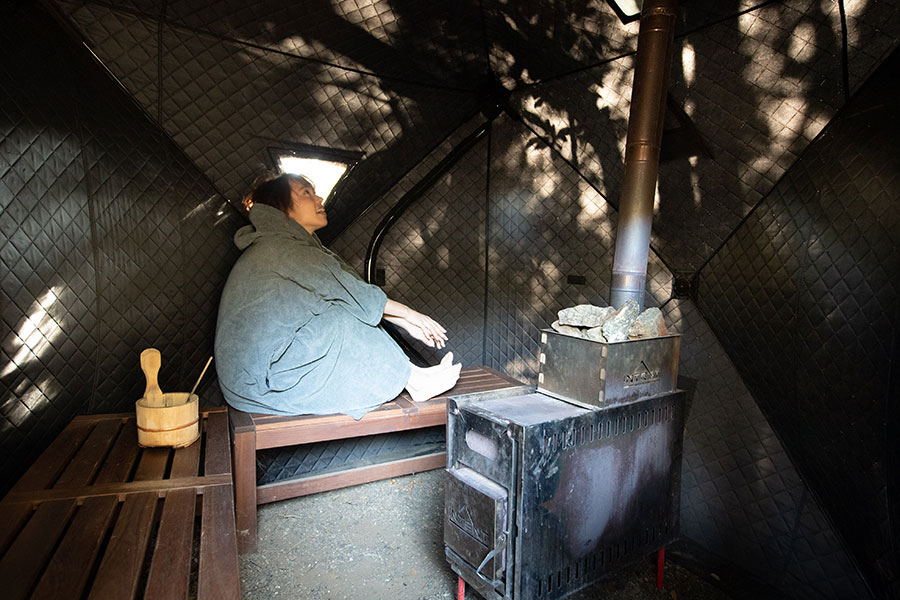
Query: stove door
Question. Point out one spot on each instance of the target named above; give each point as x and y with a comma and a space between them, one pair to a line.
475, 522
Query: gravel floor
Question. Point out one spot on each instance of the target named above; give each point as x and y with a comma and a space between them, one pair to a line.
385, 540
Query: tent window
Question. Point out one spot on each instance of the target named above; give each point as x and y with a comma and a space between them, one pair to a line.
326, 167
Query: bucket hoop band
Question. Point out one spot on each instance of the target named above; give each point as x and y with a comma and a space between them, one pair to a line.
194, 422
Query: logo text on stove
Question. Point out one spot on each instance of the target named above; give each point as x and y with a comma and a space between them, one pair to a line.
641, 375
462, 519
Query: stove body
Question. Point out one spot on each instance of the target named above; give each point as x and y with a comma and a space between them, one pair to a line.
543, 496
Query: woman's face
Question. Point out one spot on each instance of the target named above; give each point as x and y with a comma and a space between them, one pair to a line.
307, 208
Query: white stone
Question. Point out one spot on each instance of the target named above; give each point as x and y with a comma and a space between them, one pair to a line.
649, 323
566, 329
594, 333
615, 329
585, 315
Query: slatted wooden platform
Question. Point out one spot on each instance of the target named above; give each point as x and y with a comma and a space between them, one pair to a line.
98, 517
252, 432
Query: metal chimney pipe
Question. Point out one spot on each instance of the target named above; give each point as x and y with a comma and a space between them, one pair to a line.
645, 127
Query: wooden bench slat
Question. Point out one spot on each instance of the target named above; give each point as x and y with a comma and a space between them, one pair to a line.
153, 464
219, 573
160, 486
314, 484
218, 445
21, 567
475, 379
470, 379
405, 404
332, 427
240, 421
54, 459
186, 461
317, 428
170, 571
120, 569
12, 517
120, 462
86, 461
67, 574
204, 411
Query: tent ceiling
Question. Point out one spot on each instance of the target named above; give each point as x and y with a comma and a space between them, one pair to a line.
227, 80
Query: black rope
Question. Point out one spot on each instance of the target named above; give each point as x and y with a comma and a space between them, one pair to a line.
487, 247
845, 59
159, 61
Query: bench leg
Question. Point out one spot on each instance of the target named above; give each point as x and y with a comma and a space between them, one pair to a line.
245, 490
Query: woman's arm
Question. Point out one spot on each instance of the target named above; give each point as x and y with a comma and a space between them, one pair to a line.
421, 327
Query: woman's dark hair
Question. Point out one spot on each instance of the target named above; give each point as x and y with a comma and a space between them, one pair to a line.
276, 192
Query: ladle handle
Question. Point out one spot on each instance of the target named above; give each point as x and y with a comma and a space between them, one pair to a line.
202, 373
151, 360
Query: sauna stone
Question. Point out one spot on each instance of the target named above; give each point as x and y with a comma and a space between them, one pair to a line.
565, 329
648, 324
615, 329
585, 315
594, 333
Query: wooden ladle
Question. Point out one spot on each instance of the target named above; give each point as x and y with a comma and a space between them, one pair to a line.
151, 360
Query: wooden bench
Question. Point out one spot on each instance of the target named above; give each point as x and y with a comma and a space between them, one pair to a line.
252, 432
96, 516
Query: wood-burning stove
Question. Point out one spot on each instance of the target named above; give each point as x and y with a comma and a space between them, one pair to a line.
544, 496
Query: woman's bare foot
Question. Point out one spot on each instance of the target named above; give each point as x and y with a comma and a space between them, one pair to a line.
447, 359
424, 384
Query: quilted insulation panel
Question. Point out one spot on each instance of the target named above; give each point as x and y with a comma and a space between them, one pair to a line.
741, 494
112, 242
546, 223
757, 87
321, 458
804, 298
434, 257
228, 89
531, 222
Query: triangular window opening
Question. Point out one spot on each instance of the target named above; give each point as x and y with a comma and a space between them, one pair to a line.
326, 167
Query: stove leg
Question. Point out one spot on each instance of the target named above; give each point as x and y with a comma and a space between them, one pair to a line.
660, 558
461, 589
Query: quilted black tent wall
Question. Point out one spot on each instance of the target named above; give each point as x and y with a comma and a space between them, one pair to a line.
806, 300
112, 242
116, 226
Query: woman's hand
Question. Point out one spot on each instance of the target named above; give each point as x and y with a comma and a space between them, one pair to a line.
419, 326
426, 329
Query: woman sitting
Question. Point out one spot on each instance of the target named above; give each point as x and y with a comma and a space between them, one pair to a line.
298, 330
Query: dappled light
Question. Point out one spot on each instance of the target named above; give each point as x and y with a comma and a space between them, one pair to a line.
688, 64
36, 334
503, 61
799, 48
593, 213
695, 181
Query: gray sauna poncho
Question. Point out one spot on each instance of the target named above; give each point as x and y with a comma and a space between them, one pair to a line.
297, 331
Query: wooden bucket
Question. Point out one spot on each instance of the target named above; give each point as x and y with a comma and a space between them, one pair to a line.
176, 425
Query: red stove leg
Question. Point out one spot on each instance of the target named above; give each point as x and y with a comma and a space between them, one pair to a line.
660, 558
461, 589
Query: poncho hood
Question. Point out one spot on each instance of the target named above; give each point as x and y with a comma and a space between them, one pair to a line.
267, 221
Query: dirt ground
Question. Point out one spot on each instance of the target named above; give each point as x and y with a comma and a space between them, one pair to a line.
385, 540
